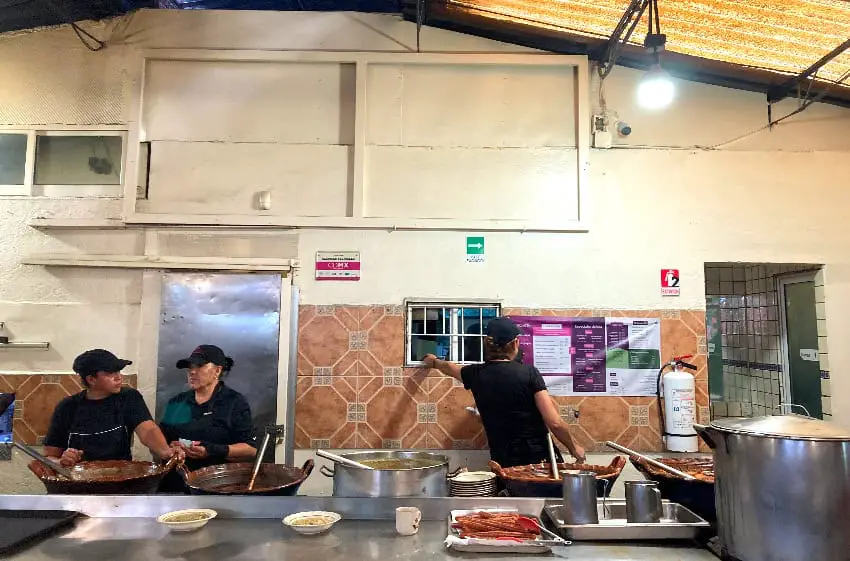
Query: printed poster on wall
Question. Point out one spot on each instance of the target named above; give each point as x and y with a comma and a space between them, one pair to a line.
593, 356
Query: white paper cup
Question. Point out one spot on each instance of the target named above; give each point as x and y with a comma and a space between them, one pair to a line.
407, 519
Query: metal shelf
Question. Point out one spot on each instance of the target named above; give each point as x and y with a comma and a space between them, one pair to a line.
40, 346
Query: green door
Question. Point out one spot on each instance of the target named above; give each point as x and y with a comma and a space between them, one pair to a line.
801, 329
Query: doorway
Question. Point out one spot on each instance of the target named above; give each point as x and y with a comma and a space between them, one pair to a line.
799, 337
247, 315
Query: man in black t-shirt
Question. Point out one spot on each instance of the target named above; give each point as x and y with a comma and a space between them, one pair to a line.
97, 423
515, 406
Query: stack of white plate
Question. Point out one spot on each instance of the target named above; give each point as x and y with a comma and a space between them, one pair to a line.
473, 484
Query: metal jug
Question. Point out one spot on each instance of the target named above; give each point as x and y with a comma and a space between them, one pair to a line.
643, 502
580, 498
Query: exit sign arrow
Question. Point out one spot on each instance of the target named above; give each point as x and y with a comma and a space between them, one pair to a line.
475, 249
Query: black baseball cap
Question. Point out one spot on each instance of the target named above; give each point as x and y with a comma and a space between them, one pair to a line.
202, 355
98, 360
502, 331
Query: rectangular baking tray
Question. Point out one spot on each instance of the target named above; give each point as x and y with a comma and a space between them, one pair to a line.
487, 548
21, 527
677, 523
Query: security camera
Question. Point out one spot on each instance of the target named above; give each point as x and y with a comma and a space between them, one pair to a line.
623, 128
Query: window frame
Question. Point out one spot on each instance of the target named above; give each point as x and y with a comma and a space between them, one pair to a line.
32, 189
455, 330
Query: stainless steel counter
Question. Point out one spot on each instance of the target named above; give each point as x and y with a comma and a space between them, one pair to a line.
143, 539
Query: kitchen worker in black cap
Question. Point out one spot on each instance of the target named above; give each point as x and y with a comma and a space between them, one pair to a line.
515, 406
98, 423
210, 422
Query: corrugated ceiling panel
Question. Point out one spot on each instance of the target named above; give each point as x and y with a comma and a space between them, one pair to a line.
780, 35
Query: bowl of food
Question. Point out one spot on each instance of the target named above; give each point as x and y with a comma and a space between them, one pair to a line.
187, 520
310, 523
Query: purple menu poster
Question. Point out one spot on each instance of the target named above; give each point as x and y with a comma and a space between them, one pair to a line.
569, 352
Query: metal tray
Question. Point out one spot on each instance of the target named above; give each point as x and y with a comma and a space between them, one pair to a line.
21, 527
677, 523
487, 548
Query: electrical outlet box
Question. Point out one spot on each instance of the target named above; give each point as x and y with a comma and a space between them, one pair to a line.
602, 139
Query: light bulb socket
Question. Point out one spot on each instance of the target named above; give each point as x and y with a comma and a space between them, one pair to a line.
654, 42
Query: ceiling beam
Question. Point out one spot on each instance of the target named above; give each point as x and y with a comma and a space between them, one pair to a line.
780, 92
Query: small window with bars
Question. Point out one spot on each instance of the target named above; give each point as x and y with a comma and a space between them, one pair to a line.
453, 332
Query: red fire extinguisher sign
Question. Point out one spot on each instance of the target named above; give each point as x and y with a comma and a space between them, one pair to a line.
670, 282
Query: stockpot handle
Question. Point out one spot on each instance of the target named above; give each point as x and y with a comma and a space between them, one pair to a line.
788, 408
705, 434
326, 471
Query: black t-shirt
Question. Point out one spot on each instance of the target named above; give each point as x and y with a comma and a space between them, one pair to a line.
101, 428
504, 395
224, 419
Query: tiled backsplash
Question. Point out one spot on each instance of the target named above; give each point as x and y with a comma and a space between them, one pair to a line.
36, 396
352, 391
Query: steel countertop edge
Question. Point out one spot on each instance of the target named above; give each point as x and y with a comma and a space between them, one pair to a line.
250, 528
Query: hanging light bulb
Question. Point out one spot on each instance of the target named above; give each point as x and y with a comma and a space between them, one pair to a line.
655, 90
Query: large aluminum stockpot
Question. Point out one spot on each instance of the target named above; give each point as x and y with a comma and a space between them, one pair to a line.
782, 487
396, 473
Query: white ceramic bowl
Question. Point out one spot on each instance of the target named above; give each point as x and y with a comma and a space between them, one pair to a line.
292, 521
172, 519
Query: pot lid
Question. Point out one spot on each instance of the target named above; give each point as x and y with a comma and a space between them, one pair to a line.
784, 426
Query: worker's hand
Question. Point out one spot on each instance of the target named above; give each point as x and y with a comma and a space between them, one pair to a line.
579, 455
175, 450
429, 361
70, 457
196, 452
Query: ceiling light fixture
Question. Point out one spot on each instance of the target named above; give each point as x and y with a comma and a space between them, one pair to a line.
656, 89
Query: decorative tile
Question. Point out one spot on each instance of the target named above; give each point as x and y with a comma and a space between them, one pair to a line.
568, 414
358, 340
393, 376
463, 445
320, 443
394, 310
426, 413
356, 413
604, 418
386, 340
323, 341
704, 415
325, 310
391, 444
392, 412
639, 415
322, 412
670, 314
323, 376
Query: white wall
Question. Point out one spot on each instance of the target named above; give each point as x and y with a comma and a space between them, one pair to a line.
771, 196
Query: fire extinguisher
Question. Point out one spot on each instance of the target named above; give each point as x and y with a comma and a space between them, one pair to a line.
678, 412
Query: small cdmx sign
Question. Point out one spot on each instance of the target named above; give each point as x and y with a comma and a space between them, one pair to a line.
670, 282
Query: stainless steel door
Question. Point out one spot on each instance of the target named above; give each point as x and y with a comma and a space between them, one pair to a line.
238, 312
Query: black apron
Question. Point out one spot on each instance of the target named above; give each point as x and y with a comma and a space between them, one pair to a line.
110, 443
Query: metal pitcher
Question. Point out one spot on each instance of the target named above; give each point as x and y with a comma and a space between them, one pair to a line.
580, 498
643, 502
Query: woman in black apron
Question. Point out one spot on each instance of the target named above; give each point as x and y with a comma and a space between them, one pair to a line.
515, 406
210, 422
98, 423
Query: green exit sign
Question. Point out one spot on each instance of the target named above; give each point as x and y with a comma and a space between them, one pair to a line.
475, 249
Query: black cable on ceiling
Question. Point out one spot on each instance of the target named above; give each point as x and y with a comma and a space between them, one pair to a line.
83, 35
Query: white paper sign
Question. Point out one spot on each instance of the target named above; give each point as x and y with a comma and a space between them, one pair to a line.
809, 354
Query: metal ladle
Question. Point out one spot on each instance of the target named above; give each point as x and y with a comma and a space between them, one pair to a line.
649, 460
42, 459
340, 460
275, 431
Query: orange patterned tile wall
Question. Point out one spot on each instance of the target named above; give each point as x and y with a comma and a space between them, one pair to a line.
36, 396
354, 392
